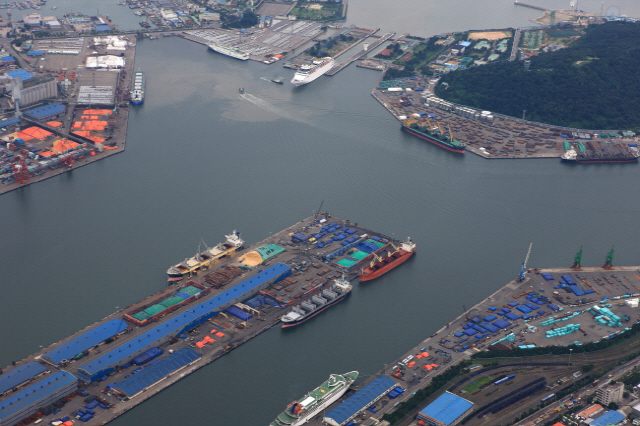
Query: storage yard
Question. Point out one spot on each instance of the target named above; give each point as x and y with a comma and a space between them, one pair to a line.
185, 326
550, 307
88, 120
491, 135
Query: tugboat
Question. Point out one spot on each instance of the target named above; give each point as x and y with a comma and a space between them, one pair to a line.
241, 90
278, 80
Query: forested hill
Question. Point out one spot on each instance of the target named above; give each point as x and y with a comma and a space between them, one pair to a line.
592, 84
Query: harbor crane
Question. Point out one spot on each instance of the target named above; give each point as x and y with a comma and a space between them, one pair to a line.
608, 263
576, 260
521, 277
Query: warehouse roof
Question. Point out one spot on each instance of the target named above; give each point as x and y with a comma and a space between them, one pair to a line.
45, 111
9, 122
184, 321
85, 341
360, 400
156, 371
610, 417
20, 374
447, 408
34, 393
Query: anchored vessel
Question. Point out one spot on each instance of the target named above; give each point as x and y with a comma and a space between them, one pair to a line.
137, 92
229, 51
308, 73
381, 265
623, 155
205, 259
318, 303
434, 134
299, 412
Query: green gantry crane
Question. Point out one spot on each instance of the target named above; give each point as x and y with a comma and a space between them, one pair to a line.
577, 259
608, 263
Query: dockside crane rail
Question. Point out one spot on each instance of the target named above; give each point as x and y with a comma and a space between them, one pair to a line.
608, 263
577, 259
521, 277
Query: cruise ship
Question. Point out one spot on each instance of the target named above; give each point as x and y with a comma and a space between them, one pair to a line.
229, 51
307, 73
205, 259
300, 412
323, 300
137, 90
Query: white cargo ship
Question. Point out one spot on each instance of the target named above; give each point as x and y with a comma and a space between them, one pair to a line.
307, 73
229, 51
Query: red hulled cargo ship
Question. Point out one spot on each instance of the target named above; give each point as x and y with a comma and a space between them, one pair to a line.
381, 265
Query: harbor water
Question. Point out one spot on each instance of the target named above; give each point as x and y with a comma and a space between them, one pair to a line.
202, 160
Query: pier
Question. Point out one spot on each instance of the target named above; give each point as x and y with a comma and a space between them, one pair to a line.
346, 63
518, 3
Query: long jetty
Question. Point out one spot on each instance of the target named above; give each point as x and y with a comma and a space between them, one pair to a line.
517, 3
344, 64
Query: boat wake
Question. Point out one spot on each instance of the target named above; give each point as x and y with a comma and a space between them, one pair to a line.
262, 104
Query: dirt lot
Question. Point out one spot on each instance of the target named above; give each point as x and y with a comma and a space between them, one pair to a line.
490, 35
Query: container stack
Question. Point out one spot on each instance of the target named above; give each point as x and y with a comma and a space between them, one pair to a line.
562, 331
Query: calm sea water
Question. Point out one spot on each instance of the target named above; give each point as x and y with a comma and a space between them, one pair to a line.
201, 160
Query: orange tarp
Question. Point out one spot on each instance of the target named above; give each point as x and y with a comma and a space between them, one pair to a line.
419, 356
34, 132
425, 354
54, 123
428, 367
219, 334
84, 133
411, 364
77, 124
62, 145
97, 111
97, 139
110, 147
46, 154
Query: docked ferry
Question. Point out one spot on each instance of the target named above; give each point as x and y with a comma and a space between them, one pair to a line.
203, 260
300, 412
229, 51
307, 73
137, 90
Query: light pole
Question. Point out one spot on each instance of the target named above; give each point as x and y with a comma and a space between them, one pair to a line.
570, 351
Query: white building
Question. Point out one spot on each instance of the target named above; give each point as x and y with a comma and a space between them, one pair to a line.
32, 19
610, 393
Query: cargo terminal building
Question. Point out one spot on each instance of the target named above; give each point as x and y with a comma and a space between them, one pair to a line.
40, 394
196, 315
447, 410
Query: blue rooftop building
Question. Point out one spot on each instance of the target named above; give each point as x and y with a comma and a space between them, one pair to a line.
196, 315
448, 409
46, 112
85, 341
19, 375
156, 371
608, 418
26, 403
359, 401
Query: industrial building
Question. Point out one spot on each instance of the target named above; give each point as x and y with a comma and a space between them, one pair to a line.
196, 315
608, 418
155, 372
447, 410
46, 113
610, 393
45, 392
359, 401
19, 375
37, 89
85, 341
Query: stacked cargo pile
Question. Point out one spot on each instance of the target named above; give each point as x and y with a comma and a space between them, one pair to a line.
564, 317
222, 277
93, 125
604, 316
562, 331
568, 282
358, 251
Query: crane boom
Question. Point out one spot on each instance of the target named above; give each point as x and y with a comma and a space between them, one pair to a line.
521, 277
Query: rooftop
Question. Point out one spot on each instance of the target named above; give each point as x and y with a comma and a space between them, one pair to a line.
447, 408
20, 374
360, 400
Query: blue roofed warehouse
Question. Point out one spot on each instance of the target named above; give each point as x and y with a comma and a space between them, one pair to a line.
448, 409
27, 402
46, 112
196, 315
19, 375
359, 401
85, 341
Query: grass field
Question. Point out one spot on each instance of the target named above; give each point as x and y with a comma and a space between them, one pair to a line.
476, 385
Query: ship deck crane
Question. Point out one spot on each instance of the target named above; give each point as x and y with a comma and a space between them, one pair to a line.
440, 128
521, 277
450, 134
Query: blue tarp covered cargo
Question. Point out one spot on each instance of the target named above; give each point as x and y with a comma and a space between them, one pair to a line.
524, 309
147, 356
239, 313
502, 323
512, 316
553, 307
490, 318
